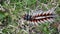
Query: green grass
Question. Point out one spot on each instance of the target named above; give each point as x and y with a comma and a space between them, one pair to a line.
17, 8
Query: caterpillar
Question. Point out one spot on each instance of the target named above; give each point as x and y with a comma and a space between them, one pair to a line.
40, 16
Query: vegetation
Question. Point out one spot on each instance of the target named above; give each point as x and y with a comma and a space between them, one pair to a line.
13, 10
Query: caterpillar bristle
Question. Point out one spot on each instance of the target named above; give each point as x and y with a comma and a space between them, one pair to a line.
44, 13
36, 23
51, 19
41, 21
45, 20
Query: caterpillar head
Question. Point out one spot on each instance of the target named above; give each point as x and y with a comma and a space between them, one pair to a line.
27, 17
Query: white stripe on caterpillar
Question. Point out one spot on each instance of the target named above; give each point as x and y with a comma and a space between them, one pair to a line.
39, 17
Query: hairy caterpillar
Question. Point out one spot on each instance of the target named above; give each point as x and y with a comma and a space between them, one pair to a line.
40, 16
